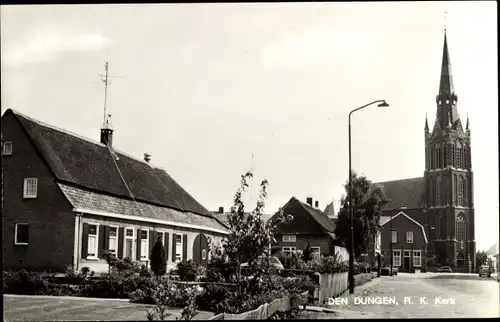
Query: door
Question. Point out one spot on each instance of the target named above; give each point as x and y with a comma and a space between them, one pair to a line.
406, 262
200, 250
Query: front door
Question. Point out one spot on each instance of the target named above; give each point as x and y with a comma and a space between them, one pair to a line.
200, 250
406, 262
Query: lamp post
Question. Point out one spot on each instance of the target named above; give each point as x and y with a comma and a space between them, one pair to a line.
390, 246
381, 103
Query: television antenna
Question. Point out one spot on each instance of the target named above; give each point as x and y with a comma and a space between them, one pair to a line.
106, 79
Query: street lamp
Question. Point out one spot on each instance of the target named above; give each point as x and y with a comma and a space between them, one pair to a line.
381, 103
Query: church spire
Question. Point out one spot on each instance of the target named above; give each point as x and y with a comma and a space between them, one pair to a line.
467, 124
446, 99
426, 124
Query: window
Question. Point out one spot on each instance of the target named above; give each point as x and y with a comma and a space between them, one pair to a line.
447, 102
178, 248
459, 152
288, 251
464, 191
113, 240
445, 155
160, 236
144, 244
92, 241
289, 238
396, 257
453, 155
438, 191
129, 243
465, 161
204, 254
432, 158
30, 187
460, 228
21, 234
409, 237
460, 192
7, 148
394, 235
417, 258
315, 250
438, 157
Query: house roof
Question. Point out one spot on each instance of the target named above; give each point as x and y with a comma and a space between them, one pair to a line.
493, 250
330, 210
316, 214
83, 199
223, 217
407, 193
384, 220
88, 164
408, 217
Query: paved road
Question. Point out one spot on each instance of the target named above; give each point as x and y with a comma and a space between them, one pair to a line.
427, 296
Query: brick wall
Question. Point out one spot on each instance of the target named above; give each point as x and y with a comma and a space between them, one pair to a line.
50, 217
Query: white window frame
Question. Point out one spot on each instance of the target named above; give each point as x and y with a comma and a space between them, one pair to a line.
144, 254
125, 237
116, 238
96, 250
314, 251
26, 195
289, 238
178, 248
419, 252
15, 234
289, 250
5, 150
396, 259
409, 237
203, 254
394, 236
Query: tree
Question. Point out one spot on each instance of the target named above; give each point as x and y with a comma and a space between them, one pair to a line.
368, 200
250, 236
307, 253
481, 258
157, 257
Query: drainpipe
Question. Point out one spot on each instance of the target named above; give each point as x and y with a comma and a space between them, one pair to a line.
78, 241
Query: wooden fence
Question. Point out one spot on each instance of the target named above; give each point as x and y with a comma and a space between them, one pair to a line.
267, 310
334, 285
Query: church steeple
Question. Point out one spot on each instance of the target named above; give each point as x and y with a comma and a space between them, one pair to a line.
446, 99
426, 129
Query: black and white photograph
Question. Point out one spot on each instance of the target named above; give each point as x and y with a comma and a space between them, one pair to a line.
249, 161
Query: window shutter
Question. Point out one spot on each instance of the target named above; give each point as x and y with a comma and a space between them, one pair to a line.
138, 245
102, 238
166, 246
85, 240
121, 237
184, 247
152, 240
174, 250
106, 237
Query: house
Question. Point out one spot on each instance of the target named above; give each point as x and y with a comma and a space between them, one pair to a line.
493, 256
310, 226
404, 241
68, 198
223, 217
442, 200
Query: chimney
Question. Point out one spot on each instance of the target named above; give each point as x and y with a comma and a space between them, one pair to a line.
221, 210
147, 157
107, 133
309, 201
316, 204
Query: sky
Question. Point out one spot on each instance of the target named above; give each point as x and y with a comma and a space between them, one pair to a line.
206, 86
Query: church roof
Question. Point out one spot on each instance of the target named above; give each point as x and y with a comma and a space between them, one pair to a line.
91, 165
407, 193
330, 210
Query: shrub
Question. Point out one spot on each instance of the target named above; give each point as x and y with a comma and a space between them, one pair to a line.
24, 282
187, 270
160, 297
189, 311
158, 262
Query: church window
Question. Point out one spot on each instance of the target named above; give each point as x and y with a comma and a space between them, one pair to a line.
432, 158
447, 101
464, 183
445, 155
438, 227
457, 156
455, 190
464, 157
438, 191
437, 157
460, 227
460, 196
432, 192
453, 155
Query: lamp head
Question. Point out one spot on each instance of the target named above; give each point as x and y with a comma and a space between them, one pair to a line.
383, 104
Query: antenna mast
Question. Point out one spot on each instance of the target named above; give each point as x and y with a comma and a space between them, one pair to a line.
106, 80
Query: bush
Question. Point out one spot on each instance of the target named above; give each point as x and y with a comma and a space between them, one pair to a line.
219, 271
187, 270
24, 282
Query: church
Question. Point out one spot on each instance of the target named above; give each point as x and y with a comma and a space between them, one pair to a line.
440, 202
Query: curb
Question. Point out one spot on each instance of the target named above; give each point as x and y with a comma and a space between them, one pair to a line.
81, 298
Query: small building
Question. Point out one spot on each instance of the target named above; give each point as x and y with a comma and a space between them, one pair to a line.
310, 226
67, 199
223, 216
406, 240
